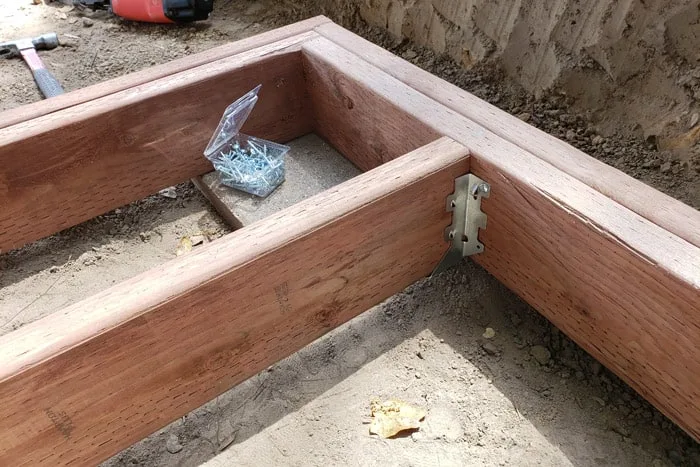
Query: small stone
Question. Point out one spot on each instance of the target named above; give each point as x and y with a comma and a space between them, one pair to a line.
599, 401
541, 354
417, 375
489, 333
87, 259
597, 140
173, 444
665, 167
410, 54
693, 120
524, 116
489, 348
199, 239
144, 236
571, 135
53, 269
419, 354
169, 192
87, 22
618, 428
566, 118
68, 40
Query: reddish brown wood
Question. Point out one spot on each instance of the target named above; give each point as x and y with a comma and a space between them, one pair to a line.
669, 213
87, 381
366, 128
105, 88
71, 165
625, 289
91, 379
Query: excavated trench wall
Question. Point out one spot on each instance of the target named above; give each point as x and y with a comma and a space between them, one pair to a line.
633, 63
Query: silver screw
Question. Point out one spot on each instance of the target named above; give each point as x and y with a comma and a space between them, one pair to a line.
249, 168
482, 189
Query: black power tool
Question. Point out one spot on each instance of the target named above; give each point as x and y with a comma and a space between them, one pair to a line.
155, 11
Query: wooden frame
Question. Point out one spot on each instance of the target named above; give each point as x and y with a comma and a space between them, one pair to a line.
89, 380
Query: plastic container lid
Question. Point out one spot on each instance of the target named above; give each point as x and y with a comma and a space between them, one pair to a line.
233, 119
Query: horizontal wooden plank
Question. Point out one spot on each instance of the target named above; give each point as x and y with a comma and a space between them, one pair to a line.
105, 88
669, 213
89, 380
618, 284
69, 166
368, 129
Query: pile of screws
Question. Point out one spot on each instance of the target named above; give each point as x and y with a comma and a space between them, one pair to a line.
254, 167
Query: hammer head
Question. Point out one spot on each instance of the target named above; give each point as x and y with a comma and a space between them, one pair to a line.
13, 48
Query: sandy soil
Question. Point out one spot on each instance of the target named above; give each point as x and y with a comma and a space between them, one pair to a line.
632, 65
527, 396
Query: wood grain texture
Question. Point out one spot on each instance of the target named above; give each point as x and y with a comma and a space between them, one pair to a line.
85, 382
669, 213
621, 286
69, 166
105, 88
368, 129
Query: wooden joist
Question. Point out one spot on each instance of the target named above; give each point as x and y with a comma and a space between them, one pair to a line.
97, 376
85, 382
615, 282
68, 166
671, 214
121, 83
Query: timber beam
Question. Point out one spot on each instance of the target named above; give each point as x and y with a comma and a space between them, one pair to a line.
89, 380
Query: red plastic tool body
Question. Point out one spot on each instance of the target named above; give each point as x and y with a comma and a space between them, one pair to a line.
149, 11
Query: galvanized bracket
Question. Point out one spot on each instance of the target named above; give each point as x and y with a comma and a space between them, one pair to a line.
467, 219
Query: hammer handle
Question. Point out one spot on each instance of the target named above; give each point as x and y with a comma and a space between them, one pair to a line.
48, 84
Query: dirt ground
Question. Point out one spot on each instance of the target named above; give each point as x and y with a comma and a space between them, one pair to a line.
631, 65
526, 396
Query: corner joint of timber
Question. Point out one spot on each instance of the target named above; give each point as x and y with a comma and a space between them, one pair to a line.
467, 219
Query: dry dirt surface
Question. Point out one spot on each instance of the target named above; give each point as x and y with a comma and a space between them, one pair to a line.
500, 385
633, 65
